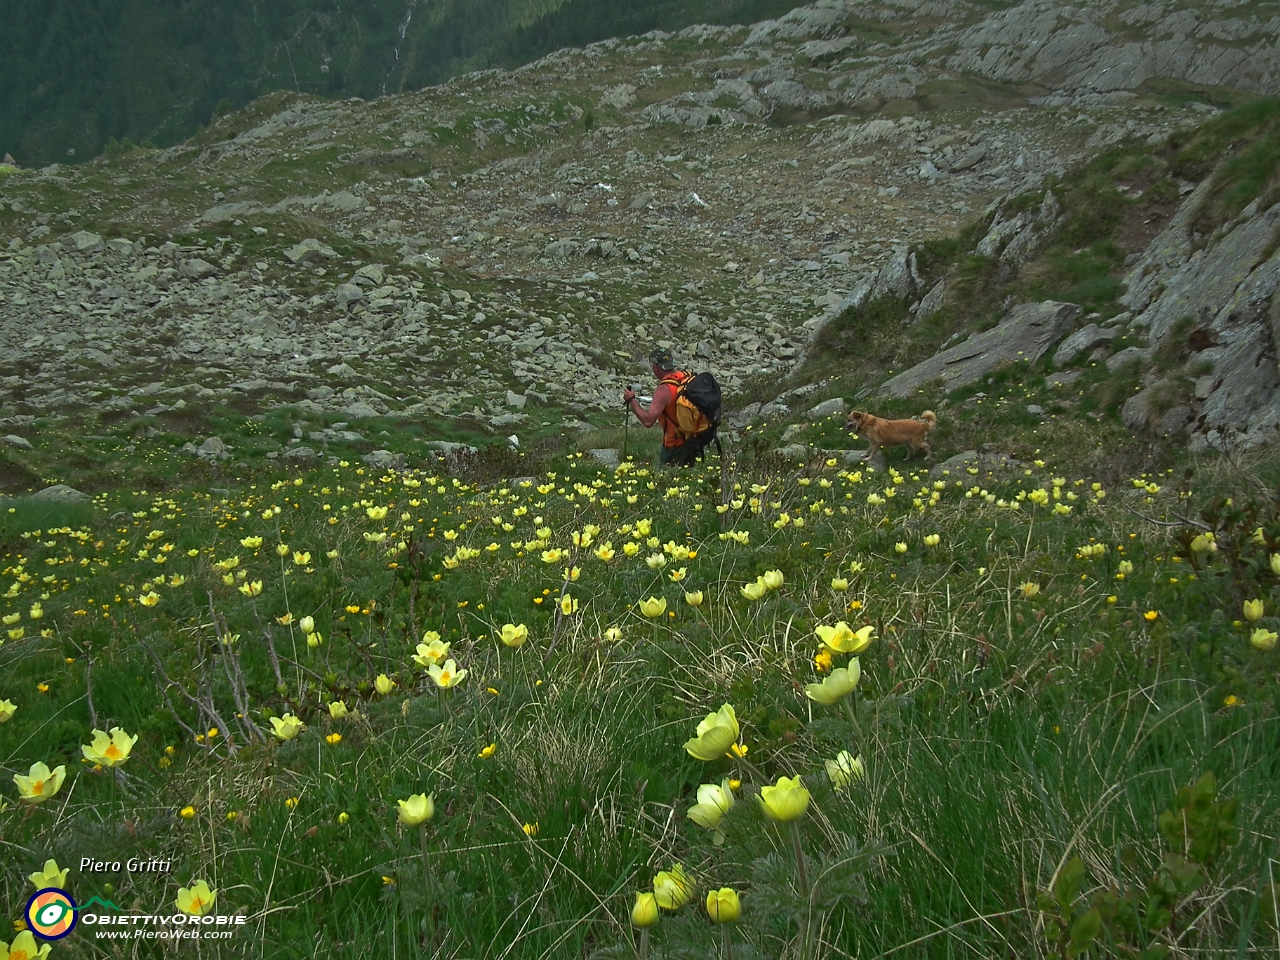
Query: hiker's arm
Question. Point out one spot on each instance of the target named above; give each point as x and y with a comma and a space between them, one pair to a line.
649, 417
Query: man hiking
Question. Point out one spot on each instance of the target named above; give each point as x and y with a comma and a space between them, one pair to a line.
675, 451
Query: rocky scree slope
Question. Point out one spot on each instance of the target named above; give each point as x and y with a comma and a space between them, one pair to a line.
505, 247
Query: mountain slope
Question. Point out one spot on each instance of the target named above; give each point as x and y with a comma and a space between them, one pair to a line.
75, 73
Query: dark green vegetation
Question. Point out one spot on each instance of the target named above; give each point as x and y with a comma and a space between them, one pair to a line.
76, 75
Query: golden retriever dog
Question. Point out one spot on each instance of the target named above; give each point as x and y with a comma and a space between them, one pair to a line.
891, 433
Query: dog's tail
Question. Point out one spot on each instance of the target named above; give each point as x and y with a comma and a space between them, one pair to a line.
930, 418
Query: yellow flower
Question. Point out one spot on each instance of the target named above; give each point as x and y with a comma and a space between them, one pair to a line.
10, 619
7, 709
344, 818
282, 549
50, 876
842, 638
1253, 610
196, 899
772, 579
384, 684
553, 555
531, 829
568, 605
251, 543
900, 547
836, 685
1029, 589
844, 769
109, 750
24, 948
314, 640
149, 599
1151, 615
488, 751
301, 558
631, 548
1275, 564
755, 590
417, 810
1205, 542
187, 813
694, 598
376, 513
605, 551
1230, 700
786, 801
285, 620
1123, 569
672, 889
431, 652
716, 734
1261, 639
723, 905
653, 607
932, 540
251, 588
447, 676
286, 727
839, 584
333, 739
40, 783
613, 634
822, 660
714, 801
338, 710
678, 575
656, 561
307, 624
645, 912
514, 634
36, 612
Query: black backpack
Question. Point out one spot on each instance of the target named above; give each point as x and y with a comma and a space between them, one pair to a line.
704, 393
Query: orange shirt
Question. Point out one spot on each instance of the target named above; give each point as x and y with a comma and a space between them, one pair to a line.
670, 433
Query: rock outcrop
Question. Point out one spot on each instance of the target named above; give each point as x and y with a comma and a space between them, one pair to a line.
1027, 332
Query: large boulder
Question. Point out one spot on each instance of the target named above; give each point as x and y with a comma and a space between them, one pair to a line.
1086, 338
309, 251
1027, 332
61, 493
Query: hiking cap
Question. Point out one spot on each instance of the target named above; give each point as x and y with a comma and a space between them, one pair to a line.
662, 359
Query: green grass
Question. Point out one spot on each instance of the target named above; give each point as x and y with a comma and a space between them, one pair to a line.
1061, 723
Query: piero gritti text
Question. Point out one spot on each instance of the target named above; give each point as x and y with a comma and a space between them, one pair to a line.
132, 865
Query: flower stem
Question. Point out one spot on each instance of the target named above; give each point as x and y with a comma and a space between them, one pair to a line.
426, 863
802, 879
853, 718
726, 942
644, 943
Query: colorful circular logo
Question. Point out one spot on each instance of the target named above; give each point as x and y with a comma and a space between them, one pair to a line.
51, 913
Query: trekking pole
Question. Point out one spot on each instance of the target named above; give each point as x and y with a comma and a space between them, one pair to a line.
626, 427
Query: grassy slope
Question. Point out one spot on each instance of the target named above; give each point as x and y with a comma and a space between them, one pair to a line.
1001, 733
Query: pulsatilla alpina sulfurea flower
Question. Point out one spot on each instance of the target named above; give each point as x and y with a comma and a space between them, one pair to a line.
197, 899
24, 948
1253, 610
286, 727
716, 734
384, 684
448, 675
645, 912
693, 598
1263, 639
653, 607
785, 801
7, 709
714, 801
40, 783
338, 710
417, 809
836, 685
723, 905
109, 749
50, 876
754, 590
672, 889
844, 769
841, 638
429, 653
514, 634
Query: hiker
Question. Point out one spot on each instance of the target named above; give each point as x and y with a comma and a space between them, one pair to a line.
675, 451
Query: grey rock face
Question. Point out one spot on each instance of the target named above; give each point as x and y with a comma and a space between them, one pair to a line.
309, 251
197, 269
384, 460
605, 456
1086, 338
213, 449
360, 410
829, 408
22, 443
1128, 355
61, 493
1027, 332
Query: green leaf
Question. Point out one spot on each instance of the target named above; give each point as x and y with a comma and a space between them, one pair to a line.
1067, 887
1084, 931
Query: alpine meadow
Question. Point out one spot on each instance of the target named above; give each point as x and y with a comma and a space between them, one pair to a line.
361, 591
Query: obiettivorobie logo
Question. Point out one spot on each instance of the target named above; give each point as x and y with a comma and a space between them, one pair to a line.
52, 913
